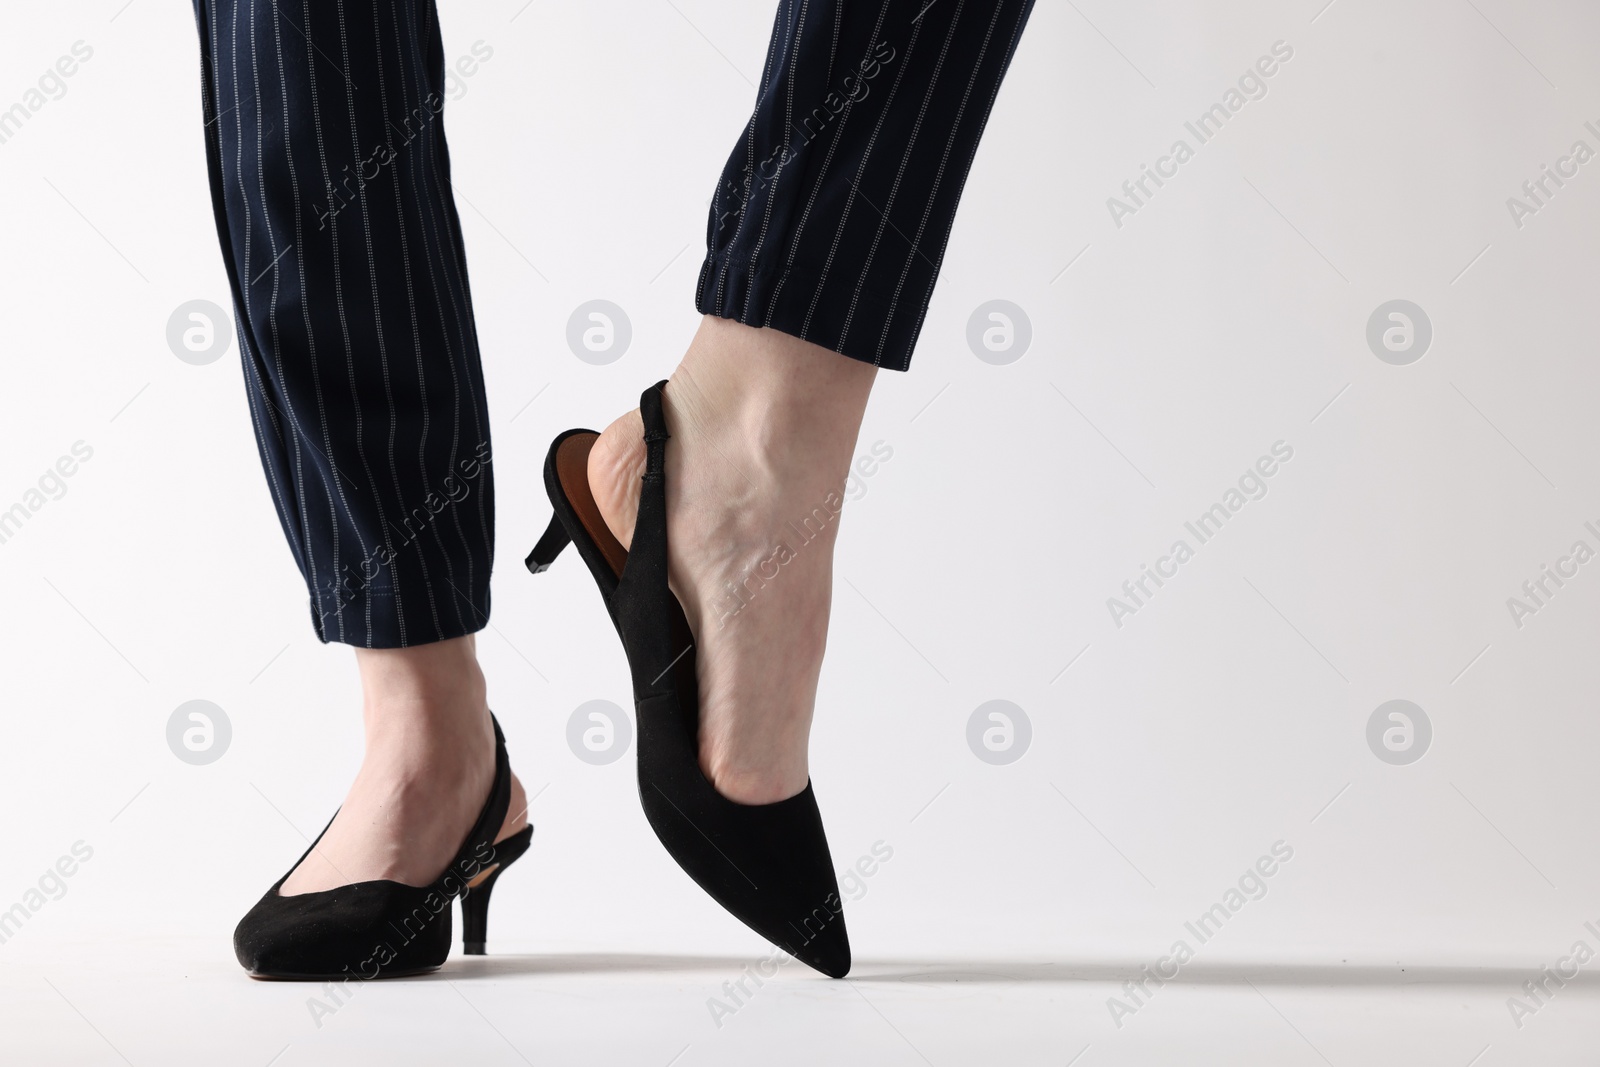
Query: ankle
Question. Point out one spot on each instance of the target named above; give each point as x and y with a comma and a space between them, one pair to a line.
426, 698
790, 409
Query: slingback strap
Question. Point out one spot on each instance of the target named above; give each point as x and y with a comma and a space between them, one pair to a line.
642, 591
478, 848
655, 432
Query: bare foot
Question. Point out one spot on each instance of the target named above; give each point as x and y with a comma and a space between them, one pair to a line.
428, 767
763, 428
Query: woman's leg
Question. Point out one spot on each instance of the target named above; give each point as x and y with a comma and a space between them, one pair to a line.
330, 183
824, 243
428, 765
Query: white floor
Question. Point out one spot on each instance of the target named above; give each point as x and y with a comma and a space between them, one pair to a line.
175, 1002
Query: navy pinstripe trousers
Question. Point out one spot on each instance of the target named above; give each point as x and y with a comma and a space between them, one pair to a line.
330, 182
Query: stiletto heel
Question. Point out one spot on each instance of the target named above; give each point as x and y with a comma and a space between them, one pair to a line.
475, 901
380, 928
549, 547
768, 864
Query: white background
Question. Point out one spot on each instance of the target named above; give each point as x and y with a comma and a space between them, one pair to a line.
1224, 316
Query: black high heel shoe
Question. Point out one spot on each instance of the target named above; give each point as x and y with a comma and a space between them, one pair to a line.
475, 899
768, 864
384, 929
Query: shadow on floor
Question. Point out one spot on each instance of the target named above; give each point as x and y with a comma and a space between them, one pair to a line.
1007, 971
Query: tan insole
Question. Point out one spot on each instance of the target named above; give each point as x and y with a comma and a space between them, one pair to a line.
572, 468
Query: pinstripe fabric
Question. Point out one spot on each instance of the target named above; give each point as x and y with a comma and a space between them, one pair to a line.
834, 209
330, 184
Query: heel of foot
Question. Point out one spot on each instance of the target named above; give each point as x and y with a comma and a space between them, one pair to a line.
616, 463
